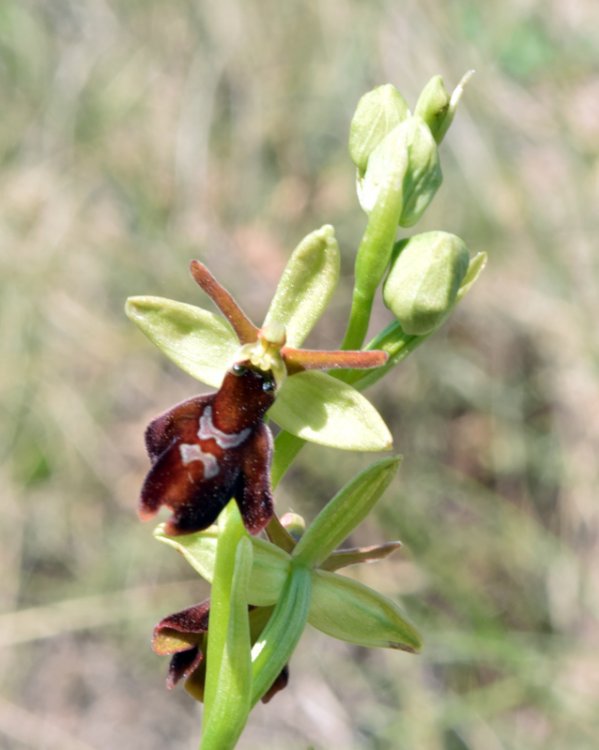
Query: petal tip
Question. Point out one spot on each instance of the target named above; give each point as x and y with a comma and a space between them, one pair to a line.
408, 648
145, 514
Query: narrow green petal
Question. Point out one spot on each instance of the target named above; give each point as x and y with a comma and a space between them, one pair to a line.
344, 512
348, 610
228, 664
322, 409
341, 558
269, 568
306, 285
199, 342
279, 638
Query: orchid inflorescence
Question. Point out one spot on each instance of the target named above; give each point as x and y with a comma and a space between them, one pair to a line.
213, 462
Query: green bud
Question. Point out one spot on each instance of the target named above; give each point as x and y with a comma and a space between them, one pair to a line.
424, 280
405, 162
433, 105
294, 524
436, 107
377, 113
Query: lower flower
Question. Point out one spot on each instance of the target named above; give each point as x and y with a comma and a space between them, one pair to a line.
183, 636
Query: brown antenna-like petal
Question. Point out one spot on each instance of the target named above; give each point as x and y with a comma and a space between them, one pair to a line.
316, 359
242, 325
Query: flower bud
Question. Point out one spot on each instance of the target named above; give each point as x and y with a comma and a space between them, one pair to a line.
405, 162
294, 524
433, 105
436, 107
377, 113
424, 280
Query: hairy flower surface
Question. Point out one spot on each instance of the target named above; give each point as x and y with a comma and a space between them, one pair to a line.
209, 449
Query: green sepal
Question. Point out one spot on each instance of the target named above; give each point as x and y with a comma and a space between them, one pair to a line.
383, 178
377, 113
350, 611
228, 662
405, 161
306, 286
344, 512
270, 565
322, 409
201, 343
423, 176
475, 268
279, 638
425, 276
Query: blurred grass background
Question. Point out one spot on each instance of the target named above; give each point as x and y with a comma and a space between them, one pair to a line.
136, 135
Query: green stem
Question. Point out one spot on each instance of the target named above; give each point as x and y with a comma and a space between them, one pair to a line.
374, 252
398, 346
279, 638
228, 670
359, 318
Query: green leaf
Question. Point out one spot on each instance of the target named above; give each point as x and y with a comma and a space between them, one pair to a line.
348, 610
228, 663
344, 512
270, 565
475, 268
322, 409
199, 342
306, 285
279, 638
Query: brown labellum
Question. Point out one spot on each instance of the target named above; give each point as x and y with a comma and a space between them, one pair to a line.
209, 449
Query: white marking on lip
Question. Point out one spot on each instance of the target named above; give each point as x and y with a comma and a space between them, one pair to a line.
191, 452
223, 439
